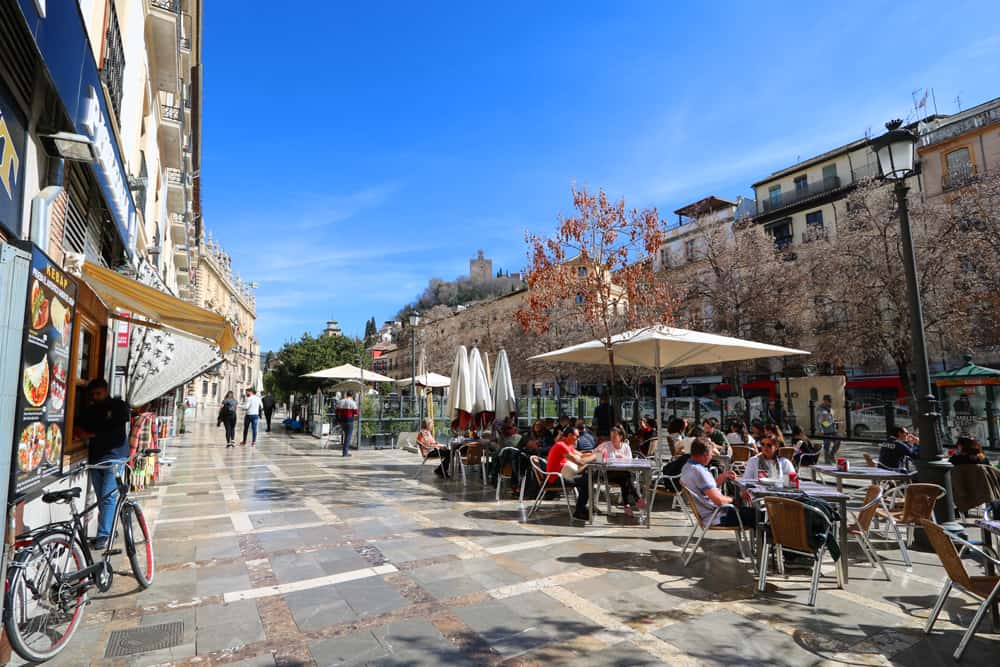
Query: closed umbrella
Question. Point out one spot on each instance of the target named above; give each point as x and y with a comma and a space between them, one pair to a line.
660, 347
459, 404
482, 400
504, 401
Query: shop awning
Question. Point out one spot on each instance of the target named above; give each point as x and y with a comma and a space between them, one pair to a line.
120, 292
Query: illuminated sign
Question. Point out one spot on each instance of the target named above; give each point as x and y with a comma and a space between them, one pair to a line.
12, 138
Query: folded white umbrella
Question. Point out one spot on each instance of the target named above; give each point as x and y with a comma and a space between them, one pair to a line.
460, 393
504, 400
660, 347
482, 401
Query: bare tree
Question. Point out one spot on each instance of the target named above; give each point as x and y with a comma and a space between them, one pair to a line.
595, 268
860, 311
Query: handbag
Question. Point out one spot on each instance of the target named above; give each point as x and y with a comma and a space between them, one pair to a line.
569, 471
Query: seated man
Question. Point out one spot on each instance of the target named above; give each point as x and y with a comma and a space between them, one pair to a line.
900, 446
768, 461
698, 481
565, 452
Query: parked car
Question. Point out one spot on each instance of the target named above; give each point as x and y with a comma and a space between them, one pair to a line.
869, 421
684, 407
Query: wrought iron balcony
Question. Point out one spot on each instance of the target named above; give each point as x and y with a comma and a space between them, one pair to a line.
815, 233
113, 63
784, 199
171, 113
175, 177
958, 177
173, 6
185, 43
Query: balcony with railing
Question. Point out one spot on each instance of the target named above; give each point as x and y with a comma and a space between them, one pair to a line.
113, 62
815, 233
169, 112
957, 177
172, 6
175, 177
800, 193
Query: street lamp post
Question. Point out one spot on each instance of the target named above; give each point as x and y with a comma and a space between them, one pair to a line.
780, 328
894, 152
414, 322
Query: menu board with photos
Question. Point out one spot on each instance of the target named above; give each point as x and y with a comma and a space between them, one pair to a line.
40, 419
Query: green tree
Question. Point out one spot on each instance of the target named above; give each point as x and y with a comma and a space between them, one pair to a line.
370, 331
307, 355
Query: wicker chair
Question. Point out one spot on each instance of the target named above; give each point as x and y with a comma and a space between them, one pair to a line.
548, 482
787, 453
741, 454
471, 455
918, 504
703, 526
982, 588
869, 461
863, 515
429, 452
787, 518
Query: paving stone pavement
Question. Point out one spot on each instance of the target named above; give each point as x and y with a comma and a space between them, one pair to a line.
287, 554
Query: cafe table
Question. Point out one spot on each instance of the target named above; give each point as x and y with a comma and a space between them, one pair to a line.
862, 472
598, 470
989, 529
816, 490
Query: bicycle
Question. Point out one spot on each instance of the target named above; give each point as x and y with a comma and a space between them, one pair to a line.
53, 568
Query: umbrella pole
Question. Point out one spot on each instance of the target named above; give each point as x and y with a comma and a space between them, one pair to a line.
659, 403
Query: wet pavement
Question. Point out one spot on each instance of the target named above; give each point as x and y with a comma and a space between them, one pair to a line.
289, 554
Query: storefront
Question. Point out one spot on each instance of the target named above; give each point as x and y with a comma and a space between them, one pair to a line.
970, 402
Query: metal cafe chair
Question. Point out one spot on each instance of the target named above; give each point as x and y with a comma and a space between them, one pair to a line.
511, 459
703, 526
787, 519
470, 455
548, 482
918, 504
741, 454
982, 588
863, 515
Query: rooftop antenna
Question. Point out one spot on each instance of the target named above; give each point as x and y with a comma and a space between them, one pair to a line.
958, 102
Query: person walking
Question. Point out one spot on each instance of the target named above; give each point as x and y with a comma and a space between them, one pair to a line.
347, 412
227, 418
252, 415
267, 402
103, 422
828, 427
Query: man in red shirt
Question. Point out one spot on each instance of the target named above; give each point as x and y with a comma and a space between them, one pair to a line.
563, 452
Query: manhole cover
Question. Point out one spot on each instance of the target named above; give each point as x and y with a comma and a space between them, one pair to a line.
144, 639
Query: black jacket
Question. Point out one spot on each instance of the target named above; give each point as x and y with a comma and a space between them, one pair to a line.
817, 531
108, 421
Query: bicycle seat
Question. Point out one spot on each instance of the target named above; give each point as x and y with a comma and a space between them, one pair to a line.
147, 452
62, 496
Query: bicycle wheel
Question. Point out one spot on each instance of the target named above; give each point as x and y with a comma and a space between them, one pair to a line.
138, 544
42, 614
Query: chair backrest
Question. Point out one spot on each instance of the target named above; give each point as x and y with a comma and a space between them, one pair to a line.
972, 485
947, 552
788, 523
871, 505
471, 454
786, 452
651, 446
538, 467
741, 453
869, 461
505, 456
692, 505
919, 501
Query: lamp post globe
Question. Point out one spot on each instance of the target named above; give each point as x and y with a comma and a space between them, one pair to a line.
894, 152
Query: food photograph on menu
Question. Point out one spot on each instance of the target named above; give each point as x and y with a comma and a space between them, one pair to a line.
41, 406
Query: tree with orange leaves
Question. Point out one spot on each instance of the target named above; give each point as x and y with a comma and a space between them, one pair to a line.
597, 271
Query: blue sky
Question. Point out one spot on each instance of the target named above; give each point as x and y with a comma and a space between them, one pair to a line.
352, 151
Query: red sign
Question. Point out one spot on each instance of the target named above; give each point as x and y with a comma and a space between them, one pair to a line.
121, 336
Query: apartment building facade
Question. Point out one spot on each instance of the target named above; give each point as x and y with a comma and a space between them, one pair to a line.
957, 149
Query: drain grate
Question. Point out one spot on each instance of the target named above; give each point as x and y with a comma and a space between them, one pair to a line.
144, 639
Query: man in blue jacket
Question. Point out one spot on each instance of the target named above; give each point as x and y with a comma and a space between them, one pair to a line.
900, 446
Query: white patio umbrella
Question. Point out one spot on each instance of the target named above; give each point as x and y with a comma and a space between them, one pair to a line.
660, 347
482, 400
348, 372
504, 400
428, 380
460, 392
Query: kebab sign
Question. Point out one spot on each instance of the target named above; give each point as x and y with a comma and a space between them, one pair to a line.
40, 420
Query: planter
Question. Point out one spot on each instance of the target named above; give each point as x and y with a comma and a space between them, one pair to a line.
320, 429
